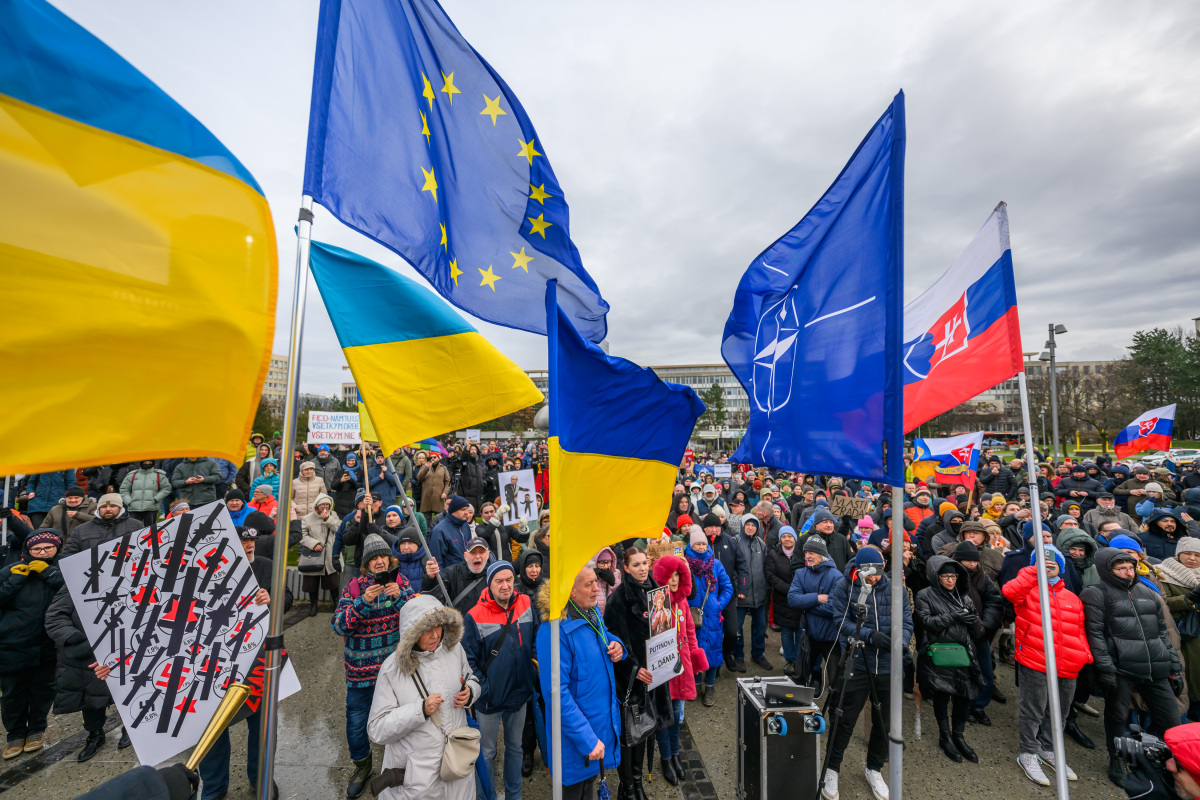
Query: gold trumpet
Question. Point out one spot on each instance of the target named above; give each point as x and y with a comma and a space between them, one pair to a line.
230, 704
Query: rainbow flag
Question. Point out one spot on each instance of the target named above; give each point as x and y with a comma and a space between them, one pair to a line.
420, 368
612, 423
137, 257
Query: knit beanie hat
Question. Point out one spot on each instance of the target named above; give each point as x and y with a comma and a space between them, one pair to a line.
1188, 544
710, 521
409, 536
1127, 542
815, 544
111, 499
73, 491
966, 551
1027, 529
787, 530
683, 519
373, 546
458, 503
50, 536
235, 494
397, 509
266, 489
497, 567
868, 555
821, 515
1065, 518
697, 537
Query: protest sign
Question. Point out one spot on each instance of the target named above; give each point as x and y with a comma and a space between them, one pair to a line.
657, 548
170, 610
662, 650
702, 468
472, 434
518, 493
850, 506
333, 427
723, 470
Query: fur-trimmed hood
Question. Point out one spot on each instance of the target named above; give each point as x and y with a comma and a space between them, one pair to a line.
543, 602
417, 616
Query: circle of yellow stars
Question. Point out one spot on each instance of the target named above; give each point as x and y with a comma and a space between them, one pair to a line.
528, 151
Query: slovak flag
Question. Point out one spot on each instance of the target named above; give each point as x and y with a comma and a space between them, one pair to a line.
948, 461
962, 336
1150, 431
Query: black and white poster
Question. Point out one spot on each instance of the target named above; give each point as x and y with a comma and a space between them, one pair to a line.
518, 493
171, 611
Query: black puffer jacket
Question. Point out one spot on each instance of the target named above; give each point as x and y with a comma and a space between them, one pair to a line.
780, 570
1002, 481
471, 480
24, 600
78, 687
1125, 626
935, 618
1071, 484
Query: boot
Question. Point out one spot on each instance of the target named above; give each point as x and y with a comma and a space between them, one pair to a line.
960, 743
668, 772
639, 792
680, 771
362, 774
1072, 729
312, 608
1117, 770
625, 791
526, 764
946, 742
95, 741
124, 741
710, 695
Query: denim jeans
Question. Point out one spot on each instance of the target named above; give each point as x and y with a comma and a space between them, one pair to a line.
758, 632
983, 648
358, 709
489, 733
668, 738
710, 676
791, 642
214, 769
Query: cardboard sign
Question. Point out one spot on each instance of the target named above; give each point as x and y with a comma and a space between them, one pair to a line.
723, 470
170, 610
333, 427
850, 506
657, 548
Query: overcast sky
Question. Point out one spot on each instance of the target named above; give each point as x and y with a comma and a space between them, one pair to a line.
688, 136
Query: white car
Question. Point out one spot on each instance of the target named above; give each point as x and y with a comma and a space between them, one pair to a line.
1184, 455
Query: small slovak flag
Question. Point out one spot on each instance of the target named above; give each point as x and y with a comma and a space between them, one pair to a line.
1150, 431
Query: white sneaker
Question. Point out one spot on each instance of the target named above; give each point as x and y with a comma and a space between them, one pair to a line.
1033, 768
878, 786
781, 651
830, 792
1047, 758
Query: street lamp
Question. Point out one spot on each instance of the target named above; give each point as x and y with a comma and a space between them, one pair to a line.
1048, 355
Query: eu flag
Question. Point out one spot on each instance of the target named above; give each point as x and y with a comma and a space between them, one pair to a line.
815, 331
415, 141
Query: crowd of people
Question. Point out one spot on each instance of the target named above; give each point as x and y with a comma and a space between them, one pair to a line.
444, 609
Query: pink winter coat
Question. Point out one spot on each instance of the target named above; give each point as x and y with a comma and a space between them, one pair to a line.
691, 656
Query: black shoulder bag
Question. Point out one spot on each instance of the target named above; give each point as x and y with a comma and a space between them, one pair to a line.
639, 718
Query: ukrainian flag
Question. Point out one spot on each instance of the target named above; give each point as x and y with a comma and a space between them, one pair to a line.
137, 257
617, 436
421, 369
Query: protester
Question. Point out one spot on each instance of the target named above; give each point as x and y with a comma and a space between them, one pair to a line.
319, 528
948, 667
42, 493
591, 716
733, 560
1180, 576
1127, 634
672, 573
752, 596
307, 488
498, 634
714, 592
74, 509
421, 694
989, 606
269, 477
368, 617
196, 480
780, 568
809, 594
867, 586
608, 578
838, 547
434, 480
410, 556
449, 537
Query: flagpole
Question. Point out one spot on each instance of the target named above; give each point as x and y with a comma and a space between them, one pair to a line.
895, 679
1056, 720
274, 642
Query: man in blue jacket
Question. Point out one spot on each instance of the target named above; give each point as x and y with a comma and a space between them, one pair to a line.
867, 587
449, 538
43, 491
810, 593
591, 714
498, 637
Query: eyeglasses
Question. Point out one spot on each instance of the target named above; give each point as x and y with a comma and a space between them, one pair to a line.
42, 548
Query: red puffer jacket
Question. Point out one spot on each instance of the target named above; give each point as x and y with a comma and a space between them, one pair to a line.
691, 656
1071, 649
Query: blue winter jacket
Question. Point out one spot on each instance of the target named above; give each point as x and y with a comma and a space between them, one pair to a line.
879, 618
809, 582
412, 565
590, 705
449, 541
49, 488
709, 635
383, 485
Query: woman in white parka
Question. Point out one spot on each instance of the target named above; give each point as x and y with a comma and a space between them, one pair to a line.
429, 647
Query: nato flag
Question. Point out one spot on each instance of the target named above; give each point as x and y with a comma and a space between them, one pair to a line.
415, 141
815, 331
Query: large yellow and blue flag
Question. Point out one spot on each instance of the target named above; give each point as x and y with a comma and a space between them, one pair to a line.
616, 426
415, 141
137, 257
421, 369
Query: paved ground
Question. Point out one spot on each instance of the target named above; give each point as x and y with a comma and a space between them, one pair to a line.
313, 761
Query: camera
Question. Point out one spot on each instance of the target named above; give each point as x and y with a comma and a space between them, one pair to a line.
860, 612
1140, 743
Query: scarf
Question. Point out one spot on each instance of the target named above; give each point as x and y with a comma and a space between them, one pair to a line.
702, 568
1143, 573
989, 513
1175, 572
787, 551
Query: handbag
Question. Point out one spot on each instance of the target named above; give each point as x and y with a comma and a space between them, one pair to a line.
311, 562
639, 718
1189, 625
698, 613
461, 745
948, 654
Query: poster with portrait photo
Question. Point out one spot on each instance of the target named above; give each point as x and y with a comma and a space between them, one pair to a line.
518, 493
660, 612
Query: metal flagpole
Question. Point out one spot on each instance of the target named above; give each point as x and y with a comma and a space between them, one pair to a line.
555, 709
1056, 720
4, 522
274, 642
895, 679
